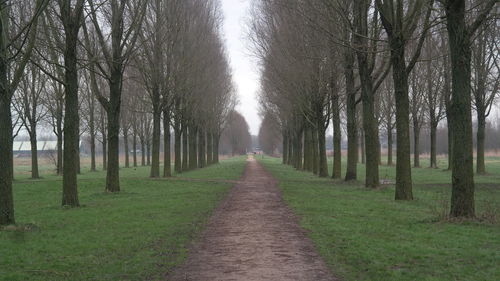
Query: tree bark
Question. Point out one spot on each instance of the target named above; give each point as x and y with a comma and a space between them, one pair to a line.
155, 157
367, 94
480, 137
433, 125
71, 118
285, 147
34, 155
291, 151
462, 194
193, 155
6, 165
177, 147
143, 151
337, 139
216, 148
315, 155
184, 147
323, 164
167, 167
134, 147
299, 160
389, 145
416, 144
362, 146
113, 111
148, 151
202, 159
92, 139
352, 130
125, 146
59, 135
400, 77
104, 144
210, 144
307, 148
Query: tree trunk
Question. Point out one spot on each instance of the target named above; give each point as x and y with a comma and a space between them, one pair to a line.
134, 147
6, 165
202, 160
337, 139
315, 155
113, 171
184, 147
216, 148
370, 130
481, 128
167, 166
433, 125
148, 151
296, 146
155, 159
143, 151
389, 145
92, 144
104, 145
323, 164
362, 146
78, 162
125, 146
367, 94
71, 120
416, 144
299, 159
193, 155
59, 163
177, 147
285, 147
352, 130
34, 155
400, 77
291, 151
210, 144
308, 165
462, 195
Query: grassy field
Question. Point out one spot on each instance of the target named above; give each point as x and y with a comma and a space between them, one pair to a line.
366, 235
138, 234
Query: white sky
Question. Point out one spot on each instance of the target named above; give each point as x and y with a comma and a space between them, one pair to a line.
245, 73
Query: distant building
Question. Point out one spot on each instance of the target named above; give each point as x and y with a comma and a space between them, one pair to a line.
23, 148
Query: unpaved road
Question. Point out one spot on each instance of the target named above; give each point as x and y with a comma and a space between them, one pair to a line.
253, 235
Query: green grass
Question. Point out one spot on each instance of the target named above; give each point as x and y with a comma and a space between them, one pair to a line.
138, 234
366, 235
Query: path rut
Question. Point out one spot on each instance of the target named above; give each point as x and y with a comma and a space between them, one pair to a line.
253, 235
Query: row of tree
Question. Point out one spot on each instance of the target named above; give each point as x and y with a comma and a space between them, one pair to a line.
111, 70
379, 65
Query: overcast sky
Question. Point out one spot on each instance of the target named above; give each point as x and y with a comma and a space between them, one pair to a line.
245, 75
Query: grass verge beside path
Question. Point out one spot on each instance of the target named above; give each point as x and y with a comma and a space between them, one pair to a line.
366, 235
138, 234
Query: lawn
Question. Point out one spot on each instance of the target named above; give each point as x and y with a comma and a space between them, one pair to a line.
366, 235
138, 234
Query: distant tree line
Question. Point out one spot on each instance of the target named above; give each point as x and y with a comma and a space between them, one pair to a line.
236, 139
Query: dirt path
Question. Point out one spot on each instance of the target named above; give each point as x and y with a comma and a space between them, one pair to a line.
253, 235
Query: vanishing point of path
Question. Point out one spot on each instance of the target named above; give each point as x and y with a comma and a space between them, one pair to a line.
253, 235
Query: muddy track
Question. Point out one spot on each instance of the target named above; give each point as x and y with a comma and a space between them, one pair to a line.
253, 235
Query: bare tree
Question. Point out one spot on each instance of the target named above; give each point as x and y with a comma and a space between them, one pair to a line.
28, 104
400, 23
460, 36
123, 36
15, 44
485, 83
